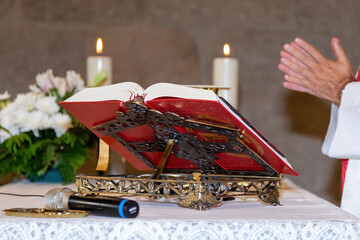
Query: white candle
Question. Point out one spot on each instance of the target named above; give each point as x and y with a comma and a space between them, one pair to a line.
225, 74
99, 68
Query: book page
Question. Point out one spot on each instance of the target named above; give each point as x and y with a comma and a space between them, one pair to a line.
159, 90
119, 91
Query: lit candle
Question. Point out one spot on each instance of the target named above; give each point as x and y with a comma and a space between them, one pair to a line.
225, 74
99, 68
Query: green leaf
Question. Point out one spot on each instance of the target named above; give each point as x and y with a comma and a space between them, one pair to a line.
5, 161
68, 138
17, 142
2, 128
48, 158
99, 79
34, 155
36, 147
72, 159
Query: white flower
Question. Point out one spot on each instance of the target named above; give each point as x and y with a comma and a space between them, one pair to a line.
15, 114
47, 105
4, 135
60, 85
44, 80
35, 89
34, 122
4, 96
61, 123
14, 130
38, 109
20, 118
74, 80
26, 101
47, 122
7, 121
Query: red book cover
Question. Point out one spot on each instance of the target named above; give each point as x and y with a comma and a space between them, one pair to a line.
196, 148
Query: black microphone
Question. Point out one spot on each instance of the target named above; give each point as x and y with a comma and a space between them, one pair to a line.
65, 198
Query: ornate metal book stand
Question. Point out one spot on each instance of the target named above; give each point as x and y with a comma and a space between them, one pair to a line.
199, 189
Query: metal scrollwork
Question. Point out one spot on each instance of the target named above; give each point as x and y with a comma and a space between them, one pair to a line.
187, 146
198, 192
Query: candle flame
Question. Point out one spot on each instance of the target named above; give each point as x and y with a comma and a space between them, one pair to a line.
226, 49
99, 46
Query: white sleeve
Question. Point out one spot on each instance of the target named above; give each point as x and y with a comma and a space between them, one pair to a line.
343, 136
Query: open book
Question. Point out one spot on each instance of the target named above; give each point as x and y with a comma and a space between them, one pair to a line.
95, 107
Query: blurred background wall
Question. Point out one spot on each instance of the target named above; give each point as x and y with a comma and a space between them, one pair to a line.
176, 41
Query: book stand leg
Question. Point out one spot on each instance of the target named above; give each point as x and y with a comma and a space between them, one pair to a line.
104, 156
164, 158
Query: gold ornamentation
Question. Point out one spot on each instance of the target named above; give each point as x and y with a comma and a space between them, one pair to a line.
199, 198
197, 191
44, 213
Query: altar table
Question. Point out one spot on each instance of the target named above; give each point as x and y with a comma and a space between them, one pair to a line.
302, 215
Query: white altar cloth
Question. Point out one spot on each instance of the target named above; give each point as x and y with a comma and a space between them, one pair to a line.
302, 215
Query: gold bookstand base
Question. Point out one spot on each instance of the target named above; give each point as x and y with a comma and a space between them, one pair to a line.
197, 191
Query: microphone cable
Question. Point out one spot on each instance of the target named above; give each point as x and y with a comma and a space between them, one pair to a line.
21, 195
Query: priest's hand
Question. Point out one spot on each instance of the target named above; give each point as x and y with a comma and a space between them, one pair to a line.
307, 70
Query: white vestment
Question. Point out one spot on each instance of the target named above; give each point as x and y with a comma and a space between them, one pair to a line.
343, 141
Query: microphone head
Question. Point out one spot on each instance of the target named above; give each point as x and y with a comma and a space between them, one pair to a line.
57, 198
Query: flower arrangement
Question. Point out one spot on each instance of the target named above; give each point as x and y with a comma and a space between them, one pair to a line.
37, 134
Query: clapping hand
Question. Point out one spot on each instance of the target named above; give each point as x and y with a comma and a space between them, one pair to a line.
307, 70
